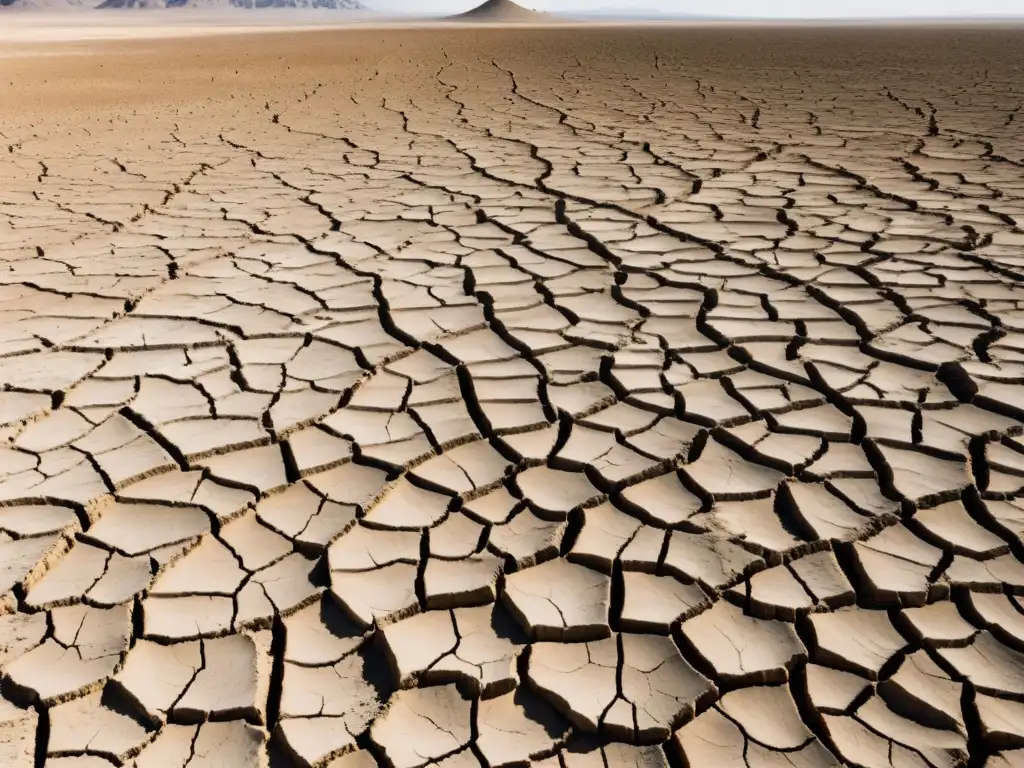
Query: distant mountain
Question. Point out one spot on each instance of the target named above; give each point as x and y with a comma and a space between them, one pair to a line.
334, 5
53, 5
499, 11
47, 4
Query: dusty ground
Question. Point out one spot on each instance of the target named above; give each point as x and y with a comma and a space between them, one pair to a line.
26, 27
572, 398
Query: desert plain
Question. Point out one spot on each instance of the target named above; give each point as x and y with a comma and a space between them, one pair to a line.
547, 396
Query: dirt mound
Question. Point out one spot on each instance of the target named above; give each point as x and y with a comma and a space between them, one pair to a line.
500, 10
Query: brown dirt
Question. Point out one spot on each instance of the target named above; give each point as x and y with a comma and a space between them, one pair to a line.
462, 396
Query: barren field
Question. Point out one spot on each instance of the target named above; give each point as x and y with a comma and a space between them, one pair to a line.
575, 398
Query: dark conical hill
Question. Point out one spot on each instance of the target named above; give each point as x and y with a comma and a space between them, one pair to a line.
498, 11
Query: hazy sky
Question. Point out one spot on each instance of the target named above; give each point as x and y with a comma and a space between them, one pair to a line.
759, 8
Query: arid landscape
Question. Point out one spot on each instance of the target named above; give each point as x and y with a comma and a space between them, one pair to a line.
532, 396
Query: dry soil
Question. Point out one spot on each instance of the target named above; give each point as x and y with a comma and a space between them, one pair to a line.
479, 397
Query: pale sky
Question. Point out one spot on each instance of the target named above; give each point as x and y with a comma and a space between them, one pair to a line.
757, 8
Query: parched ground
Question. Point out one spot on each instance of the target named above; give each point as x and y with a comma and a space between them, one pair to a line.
576, 398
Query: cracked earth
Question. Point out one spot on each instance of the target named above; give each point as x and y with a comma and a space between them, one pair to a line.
569, 398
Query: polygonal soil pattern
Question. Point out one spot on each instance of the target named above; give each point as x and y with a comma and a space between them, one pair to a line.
576, 397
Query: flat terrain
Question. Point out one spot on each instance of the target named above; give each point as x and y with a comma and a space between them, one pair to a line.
502, 397
21, 28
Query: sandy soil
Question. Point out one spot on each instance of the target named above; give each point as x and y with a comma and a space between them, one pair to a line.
502, 397
23, 29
